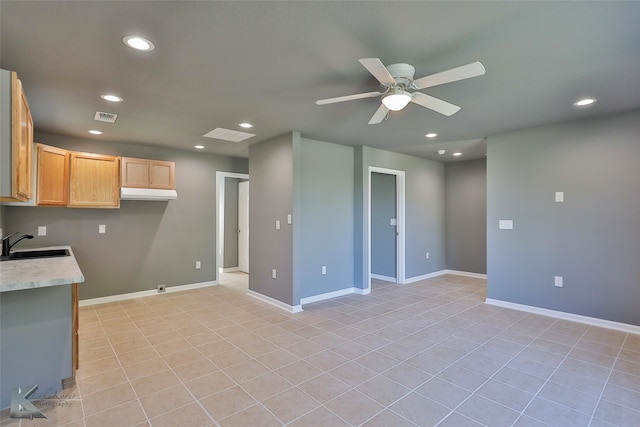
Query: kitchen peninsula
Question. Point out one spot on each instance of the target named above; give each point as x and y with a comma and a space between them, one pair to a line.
38, 323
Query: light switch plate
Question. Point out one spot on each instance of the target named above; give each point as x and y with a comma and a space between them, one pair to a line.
42, 230
558, 282
505, 224
324, 269
274, 274
198, 265
289, 219
392, 221
277, 224
559, 196
102, 228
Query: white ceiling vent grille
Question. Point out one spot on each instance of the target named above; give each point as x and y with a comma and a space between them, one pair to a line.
105, 117
228, 135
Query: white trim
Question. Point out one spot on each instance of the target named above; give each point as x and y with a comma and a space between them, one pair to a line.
220, 181
361, 291
275, 302
466, 274
140, 294
228, 270
594, 321
327, 295
385, 278
425, 276
400, 223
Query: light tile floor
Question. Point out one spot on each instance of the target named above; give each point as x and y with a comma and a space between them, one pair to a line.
428, 353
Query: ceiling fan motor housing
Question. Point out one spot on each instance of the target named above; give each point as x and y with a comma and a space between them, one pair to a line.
402, 73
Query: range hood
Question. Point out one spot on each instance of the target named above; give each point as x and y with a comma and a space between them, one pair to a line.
127, 193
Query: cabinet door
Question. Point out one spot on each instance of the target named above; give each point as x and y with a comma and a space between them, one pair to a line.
135, 173
53, 176
21, 143
161, 175
25, 149
94, 181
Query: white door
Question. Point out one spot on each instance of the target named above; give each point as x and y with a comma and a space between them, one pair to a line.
243, 226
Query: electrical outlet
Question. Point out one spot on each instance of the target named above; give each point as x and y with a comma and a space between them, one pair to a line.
428, 255
324, 269
558, 282
42, 230
198, 265
102, 228
274, 274
277, 224
161, 289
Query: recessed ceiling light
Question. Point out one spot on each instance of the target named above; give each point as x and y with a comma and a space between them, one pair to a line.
431, 135
441, 152
457, 154
111, 98
584, 102
199, 147
245, 125
138, 43
95, 132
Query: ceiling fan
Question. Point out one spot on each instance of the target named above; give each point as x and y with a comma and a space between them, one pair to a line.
399, 87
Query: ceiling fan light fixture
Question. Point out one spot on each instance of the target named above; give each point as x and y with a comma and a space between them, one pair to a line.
397, 100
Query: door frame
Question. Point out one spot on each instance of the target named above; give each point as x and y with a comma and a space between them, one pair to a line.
220, 186
243, 186
400, 223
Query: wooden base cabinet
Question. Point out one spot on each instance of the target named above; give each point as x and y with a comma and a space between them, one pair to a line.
94, 181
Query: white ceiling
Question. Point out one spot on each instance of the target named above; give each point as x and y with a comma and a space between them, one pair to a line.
217, 64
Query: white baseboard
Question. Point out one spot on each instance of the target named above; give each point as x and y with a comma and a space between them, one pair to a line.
384, 278
361, 291
593, 321
275, 302
140, 294
425, 276
466, 274
327, 295
443, 272
228, 270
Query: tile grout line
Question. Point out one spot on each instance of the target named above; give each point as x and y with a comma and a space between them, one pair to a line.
595, 408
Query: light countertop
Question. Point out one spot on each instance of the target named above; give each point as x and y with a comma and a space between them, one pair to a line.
40, 272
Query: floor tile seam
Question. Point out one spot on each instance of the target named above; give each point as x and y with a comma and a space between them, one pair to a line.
319, 404
462, 415
548, 379
473, 393
595, 408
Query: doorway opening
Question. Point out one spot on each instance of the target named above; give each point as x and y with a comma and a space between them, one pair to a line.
386, 225
232, 230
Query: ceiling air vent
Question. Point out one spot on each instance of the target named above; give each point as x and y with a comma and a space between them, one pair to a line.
228, 135
105, 117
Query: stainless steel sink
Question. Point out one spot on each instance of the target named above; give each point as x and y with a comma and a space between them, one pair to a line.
44, 253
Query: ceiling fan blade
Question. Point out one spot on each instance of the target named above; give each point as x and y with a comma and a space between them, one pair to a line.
453, 75
379, 71
379, 115
348, 98
435, 104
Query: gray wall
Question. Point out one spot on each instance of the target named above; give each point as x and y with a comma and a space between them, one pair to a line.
592, 239
383, 234
424, 211
271, 193
146, 243
323, 217
466, 219
230, 222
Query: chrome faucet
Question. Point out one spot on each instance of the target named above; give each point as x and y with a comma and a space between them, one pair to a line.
6, 245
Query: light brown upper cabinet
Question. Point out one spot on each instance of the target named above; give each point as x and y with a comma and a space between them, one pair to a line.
53, 176
20, 139
94, 181
143, 173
